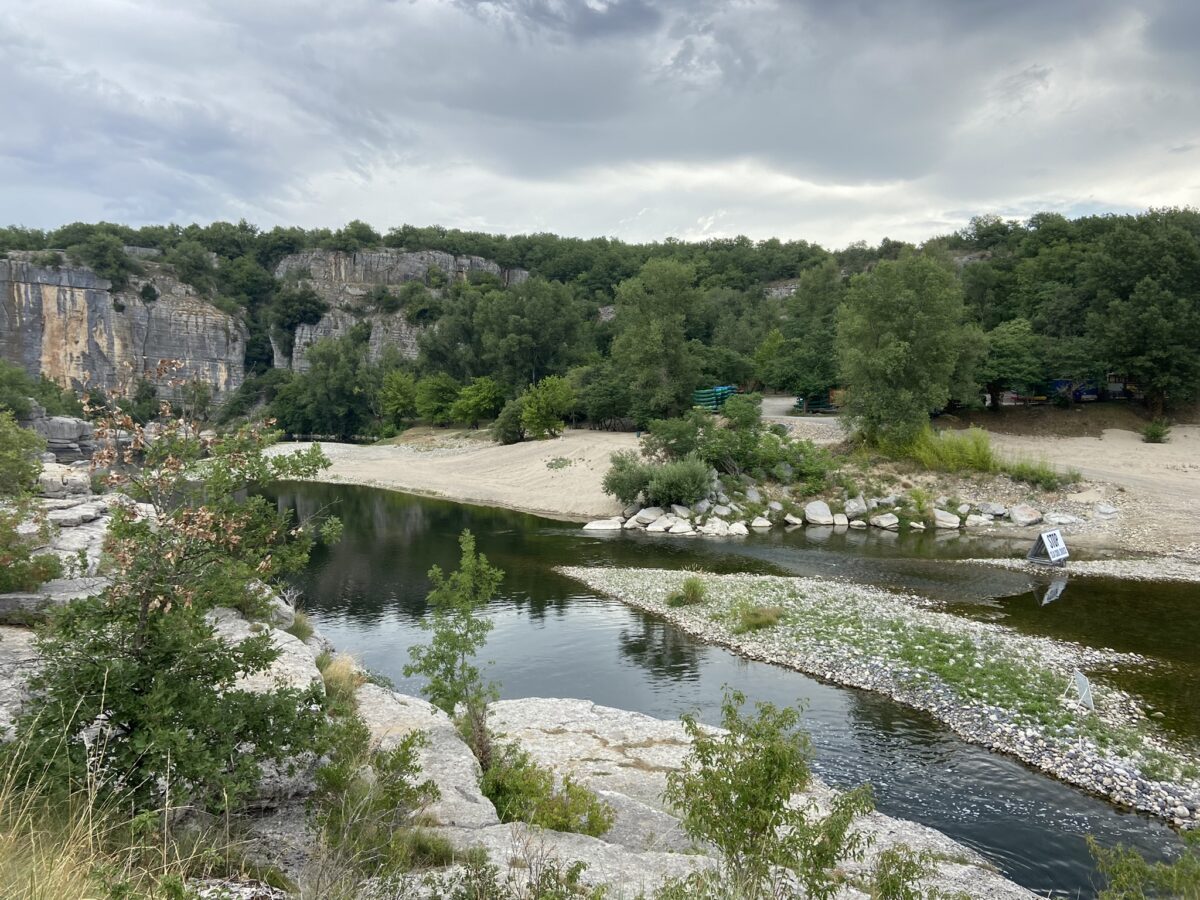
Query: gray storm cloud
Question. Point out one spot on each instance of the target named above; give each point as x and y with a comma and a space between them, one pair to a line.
830, 122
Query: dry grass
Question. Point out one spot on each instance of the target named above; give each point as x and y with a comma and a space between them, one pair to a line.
342, 677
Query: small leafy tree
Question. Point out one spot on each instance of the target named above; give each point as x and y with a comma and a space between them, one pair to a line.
398, 396
457, 631
544, 406
137, 697
481, 399
435, 398
736, 791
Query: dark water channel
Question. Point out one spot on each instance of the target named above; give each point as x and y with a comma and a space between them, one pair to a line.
554, 638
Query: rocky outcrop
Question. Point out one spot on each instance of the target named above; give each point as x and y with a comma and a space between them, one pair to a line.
343, 280
66, 322
68, 438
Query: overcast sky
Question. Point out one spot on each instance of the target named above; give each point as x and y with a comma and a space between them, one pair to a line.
828, 121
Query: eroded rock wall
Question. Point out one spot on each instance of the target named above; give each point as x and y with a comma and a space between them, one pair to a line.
66, 323
344, 279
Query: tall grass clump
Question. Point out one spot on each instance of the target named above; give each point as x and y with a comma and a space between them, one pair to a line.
690, 593
962, 452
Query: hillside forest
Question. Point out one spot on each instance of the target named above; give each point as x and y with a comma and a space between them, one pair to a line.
616, 335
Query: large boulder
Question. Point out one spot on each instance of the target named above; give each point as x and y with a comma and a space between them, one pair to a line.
856, 507
817, 512
1024, 515
945, 520
888, 521
649, 514
604, 525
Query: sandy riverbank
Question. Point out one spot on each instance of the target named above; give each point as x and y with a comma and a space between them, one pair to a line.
528, 477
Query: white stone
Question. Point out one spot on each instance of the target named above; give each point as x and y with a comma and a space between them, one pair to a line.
1024, 515
682, 512
1061, 519
840, 520
964, 509
721, 510
857, 523
661, 524
632, 523
760, 522
649, 514
993, 509
916, 526
856, 507
816, 512
886, 520
945, 520
793, 520
1105, 510
974, 521
603, 525
681, 528
739, 529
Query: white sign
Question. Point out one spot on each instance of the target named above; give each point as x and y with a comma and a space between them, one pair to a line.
1083, 688
1049, 548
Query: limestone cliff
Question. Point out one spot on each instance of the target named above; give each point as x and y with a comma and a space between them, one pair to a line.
65, 322
344, 279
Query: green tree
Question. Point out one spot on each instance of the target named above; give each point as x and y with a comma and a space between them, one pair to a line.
105, 254
736, 791
1012, 359
481, 399
650, 349
898, 340
457, 632
138, 699
508, 427
529, 331
398, 396
294, 306
436, 395
20, 569
545, 404
338, 392
1153, 337
193, 265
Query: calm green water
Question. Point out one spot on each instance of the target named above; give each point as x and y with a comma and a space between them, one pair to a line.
554, 638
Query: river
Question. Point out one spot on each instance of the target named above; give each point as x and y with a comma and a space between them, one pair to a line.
554, 638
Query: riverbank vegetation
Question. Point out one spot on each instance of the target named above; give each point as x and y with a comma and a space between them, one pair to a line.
1049, 307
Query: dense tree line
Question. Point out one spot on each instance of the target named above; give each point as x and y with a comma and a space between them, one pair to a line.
635, 328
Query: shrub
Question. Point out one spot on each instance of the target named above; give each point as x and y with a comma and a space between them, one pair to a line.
897, 872
525, 792
681, 481
143, 659
544, 406
364, 801
508, 427
1130, 876
690, 593
735, 789
628, 476
481, 399
755, 618
1157, 432
20, 449
398, 396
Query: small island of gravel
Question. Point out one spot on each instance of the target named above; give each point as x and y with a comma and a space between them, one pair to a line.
991, 685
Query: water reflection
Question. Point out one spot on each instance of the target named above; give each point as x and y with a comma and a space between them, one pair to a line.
551, 638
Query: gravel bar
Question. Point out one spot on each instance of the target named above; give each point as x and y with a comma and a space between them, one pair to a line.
989, 684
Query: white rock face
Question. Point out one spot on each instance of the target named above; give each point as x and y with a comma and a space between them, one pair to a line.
293, 668
18, 661
625, 756
445, 759
945, 520
662, 523
817, 512
1024, 515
